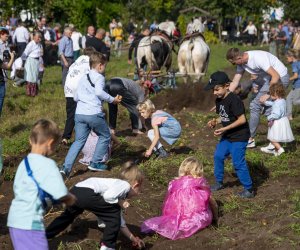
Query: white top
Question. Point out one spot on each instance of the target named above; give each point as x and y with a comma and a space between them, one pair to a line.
16, 65
33, 49
259, 62
110, 189
21, 35
76, 71
75, 38
251, 29
278, 109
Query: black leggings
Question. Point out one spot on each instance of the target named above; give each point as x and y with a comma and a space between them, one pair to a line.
129, 101
88, 200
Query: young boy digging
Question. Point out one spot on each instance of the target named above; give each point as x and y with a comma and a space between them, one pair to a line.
234, 133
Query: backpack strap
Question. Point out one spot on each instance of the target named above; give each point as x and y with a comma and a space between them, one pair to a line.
89, 79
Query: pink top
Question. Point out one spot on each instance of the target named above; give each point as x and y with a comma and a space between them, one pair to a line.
156, 121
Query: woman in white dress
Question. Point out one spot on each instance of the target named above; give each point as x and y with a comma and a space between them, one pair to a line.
278, 122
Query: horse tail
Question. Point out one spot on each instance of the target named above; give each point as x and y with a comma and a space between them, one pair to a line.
207, 60
189, 58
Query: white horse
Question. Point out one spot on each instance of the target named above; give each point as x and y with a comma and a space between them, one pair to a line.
193, 57
156, 50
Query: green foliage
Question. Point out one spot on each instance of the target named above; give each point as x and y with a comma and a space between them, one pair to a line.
182, 23
211, 38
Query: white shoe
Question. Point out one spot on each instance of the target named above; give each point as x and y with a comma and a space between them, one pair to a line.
106, 248
279, 152
267, 150
101, 223
251, 144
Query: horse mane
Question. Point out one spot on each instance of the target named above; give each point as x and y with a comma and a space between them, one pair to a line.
157, 32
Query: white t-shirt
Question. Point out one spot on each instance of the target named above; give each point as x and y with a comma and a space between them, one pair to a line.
251, 29
76, 71
75, 38
259, 62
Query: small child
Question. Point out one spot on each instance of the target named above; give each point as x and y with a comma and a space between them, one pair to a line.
279, 125
188, 206
164, 125
293, 97
35, 173
235, 133
104, 197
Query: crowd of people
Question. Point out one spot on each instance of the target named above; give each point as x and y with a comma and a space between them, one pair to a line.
189, 205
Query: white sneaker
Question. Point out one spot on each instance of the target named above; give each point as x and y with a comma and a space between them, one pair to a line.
279, 152
270, 146
251, 144
106, 248
101, 223
267, 150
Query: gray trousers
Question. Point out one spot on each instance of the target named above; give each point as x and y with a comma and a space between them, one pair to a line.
257, 108
293, 98
65, 69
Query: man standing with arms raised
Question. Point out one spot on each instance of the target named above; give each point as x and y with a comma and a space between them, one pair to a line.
266, 66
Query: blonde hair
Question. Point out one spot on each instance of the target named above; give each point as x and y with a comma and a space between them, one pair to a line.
44, 130
191, 166
146, 105
132, 173
293, 53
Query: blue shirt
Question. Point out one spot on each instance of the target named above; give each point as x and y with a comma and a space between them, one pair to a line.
296, 69
278, 109
26, 210
65, 47
89, 99
286, 31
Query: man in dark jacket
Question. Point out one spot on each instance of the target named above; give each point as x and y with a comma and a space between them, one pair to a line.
97, 43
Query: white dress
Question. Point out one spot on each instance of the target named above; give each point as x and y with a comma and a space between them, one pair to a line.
280, 131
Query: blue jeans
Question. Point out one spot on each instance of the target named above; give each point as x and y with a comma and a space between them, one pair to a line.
2, 95
83, 126
237, 151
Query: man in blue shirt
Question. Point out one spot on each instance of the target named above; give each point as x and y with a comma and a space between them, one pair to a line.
65, 51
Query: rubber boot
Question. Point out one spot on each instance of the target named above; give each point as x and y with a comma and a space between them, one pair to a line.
162, 153
27, 87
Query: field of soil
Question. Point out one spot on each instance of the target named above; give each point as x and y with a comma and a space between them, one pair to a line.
268, 221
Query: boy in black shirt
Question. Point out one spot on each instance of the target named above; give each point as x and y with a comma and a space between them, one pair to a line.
235, 133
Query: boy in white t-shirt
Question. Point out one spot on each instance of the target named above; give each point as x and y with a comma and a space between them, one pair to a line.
267, 66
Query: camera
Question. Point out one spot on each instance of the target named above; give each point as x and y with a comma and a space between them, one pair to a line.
6, 55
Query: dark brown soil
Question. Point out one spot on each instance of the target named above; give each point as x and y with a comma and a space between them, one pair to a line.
266, 227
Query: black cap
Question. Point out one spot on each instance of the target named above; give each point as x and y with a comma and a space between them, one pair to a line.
217, 78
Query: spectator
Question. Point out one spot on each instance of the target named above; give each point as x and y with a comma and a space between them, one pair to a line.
76, 36
21, 38
65, 51
118, 35
130, 27
97, 43
112, 26
90, 34
252, 32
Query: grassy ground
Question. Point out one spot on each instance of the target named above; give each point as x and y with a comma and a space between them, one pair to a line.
270, 220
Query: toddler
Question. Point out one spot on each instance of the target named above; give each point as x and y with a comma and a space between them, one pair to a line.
293, 97
104, 197
279, 125
188, 206
35, 175
164, 125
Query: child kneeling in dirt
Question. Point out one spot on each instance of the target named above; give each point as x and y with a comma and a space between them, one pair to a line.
188, 206
164, 125
235, 133
104, 197
37, 177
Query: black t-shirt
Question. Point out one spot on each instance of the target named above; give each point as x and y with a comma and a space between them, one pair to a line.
2, 79
97, 44
229, 109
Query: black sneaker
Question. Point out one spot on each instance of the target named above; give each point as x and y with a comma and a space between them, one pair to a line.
162, 153
246, 194
216, 187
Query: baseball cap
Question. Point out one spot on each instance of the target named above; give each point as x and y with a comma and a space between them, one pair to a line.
217, 78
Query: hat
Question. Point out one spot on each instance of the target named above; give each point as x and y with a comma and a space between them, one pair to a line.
217, 78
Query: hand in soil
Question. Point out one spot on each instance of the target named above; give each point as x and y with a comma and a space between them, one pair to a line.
138, 243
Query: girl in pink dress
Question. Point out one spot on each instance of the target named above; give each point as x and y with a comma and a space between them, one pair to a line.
188, 206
